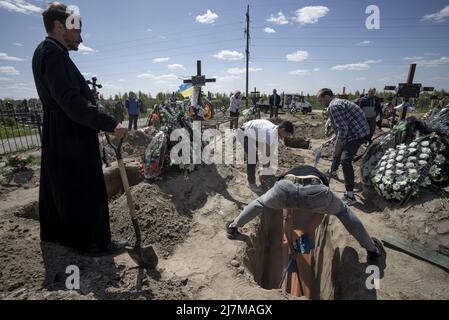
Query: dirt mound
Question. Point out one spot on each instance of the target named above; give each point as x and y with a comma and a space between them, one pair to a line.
423, 221
162, 222
289, 158
134, 146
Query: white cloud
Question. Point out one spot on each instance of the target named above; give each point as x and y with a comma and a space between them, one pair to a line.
412, 58
88, 74
20, 6
316, 69
269, 30
112, 86
431, 54
176, 66
228, 55
85, 49
228, 78
358, 66
121, 80
278, 19
242, 70
351, 66
159, 60
9, 70
310, 15
360, 78
149, 29
373, 61
5, 56
162, 77
299, 72
207, 18
365, 43
18, 44
435, 62
5, 79
438, 17
297, 56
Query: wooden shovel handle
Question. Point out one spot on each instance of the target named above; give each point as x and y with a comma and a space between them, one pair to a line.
129, 198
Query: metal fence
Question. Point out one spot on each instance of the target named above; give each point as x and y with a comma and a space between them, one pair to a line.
20, 131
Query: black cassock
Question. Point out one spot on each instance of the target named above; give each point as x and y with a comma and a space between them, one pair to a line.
73, 202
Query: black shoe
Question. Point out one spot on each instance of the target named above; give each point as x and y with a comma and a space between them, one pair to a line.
231, 232
374, 255
115, 247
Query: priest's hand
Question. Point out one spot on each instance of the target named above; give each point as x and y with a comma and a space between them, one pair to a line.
121, 132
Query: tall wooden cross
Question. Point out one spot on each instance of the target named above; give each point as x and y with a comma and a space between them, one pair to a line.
199, 79
408, 90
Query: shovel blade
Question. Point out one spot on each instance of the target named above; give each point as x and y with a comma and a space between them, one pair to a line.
144, 257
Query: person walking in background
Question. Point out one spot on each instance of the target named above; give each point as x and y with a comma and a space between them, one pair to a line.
370, 105
235, 104
275, 102
132, 105
119, 112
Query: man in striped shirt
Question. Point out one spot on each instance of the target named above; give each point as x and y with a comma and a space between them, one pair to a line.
351, 131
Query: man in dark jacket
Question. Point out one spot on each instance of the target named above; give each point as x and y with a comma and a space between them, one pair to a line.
132, 105
73, 203
370, 104
275, 102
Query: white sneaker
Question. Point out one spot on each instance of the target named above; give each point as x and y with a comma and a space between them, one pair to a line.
254, 188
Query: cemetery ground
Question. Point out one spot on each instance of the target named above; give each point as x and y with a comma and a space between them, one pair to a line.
183, 217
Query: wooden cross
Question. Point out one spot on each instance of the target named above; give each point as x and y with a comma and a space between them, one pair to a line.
94, 85
255, 95
199, 79
343, 95
408, 90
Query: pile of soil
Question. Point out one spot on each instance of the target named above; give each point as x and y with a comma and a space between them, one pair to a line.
163, 221
134, 146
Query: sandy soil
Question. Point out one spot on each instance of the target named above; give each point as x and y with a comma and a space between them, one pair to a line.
183, 217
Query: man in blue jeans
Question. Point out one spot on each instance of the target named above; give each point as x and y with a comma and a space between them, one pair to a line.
306, 189
132, 105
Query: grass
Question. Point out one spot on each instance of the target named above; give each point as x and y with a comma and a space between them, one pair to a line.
16, 132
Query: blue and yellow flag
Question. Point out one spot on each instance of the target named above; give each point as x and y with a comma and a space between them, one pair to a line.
186, 90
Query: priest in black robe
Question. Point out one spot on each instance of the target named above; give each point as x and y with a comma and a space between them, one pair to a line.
73, 202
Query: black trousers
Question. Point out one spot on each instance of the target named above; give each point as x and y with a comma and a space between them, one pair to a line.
132, 120
274, 110
347, 156
250, 168
235, 119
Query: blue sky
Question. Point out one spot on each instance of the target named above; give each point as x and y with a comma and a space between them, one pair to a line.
296, 45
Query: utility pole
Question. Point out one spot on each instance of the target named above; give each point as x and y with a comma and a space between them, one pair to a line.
247, 55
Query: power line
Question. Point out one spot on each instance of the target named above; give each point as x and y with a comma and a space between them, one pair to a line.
247, 34
108, 44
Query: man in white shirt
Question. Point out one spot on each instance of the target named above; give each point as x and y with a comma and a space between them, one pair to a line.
234, 109
257, 132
